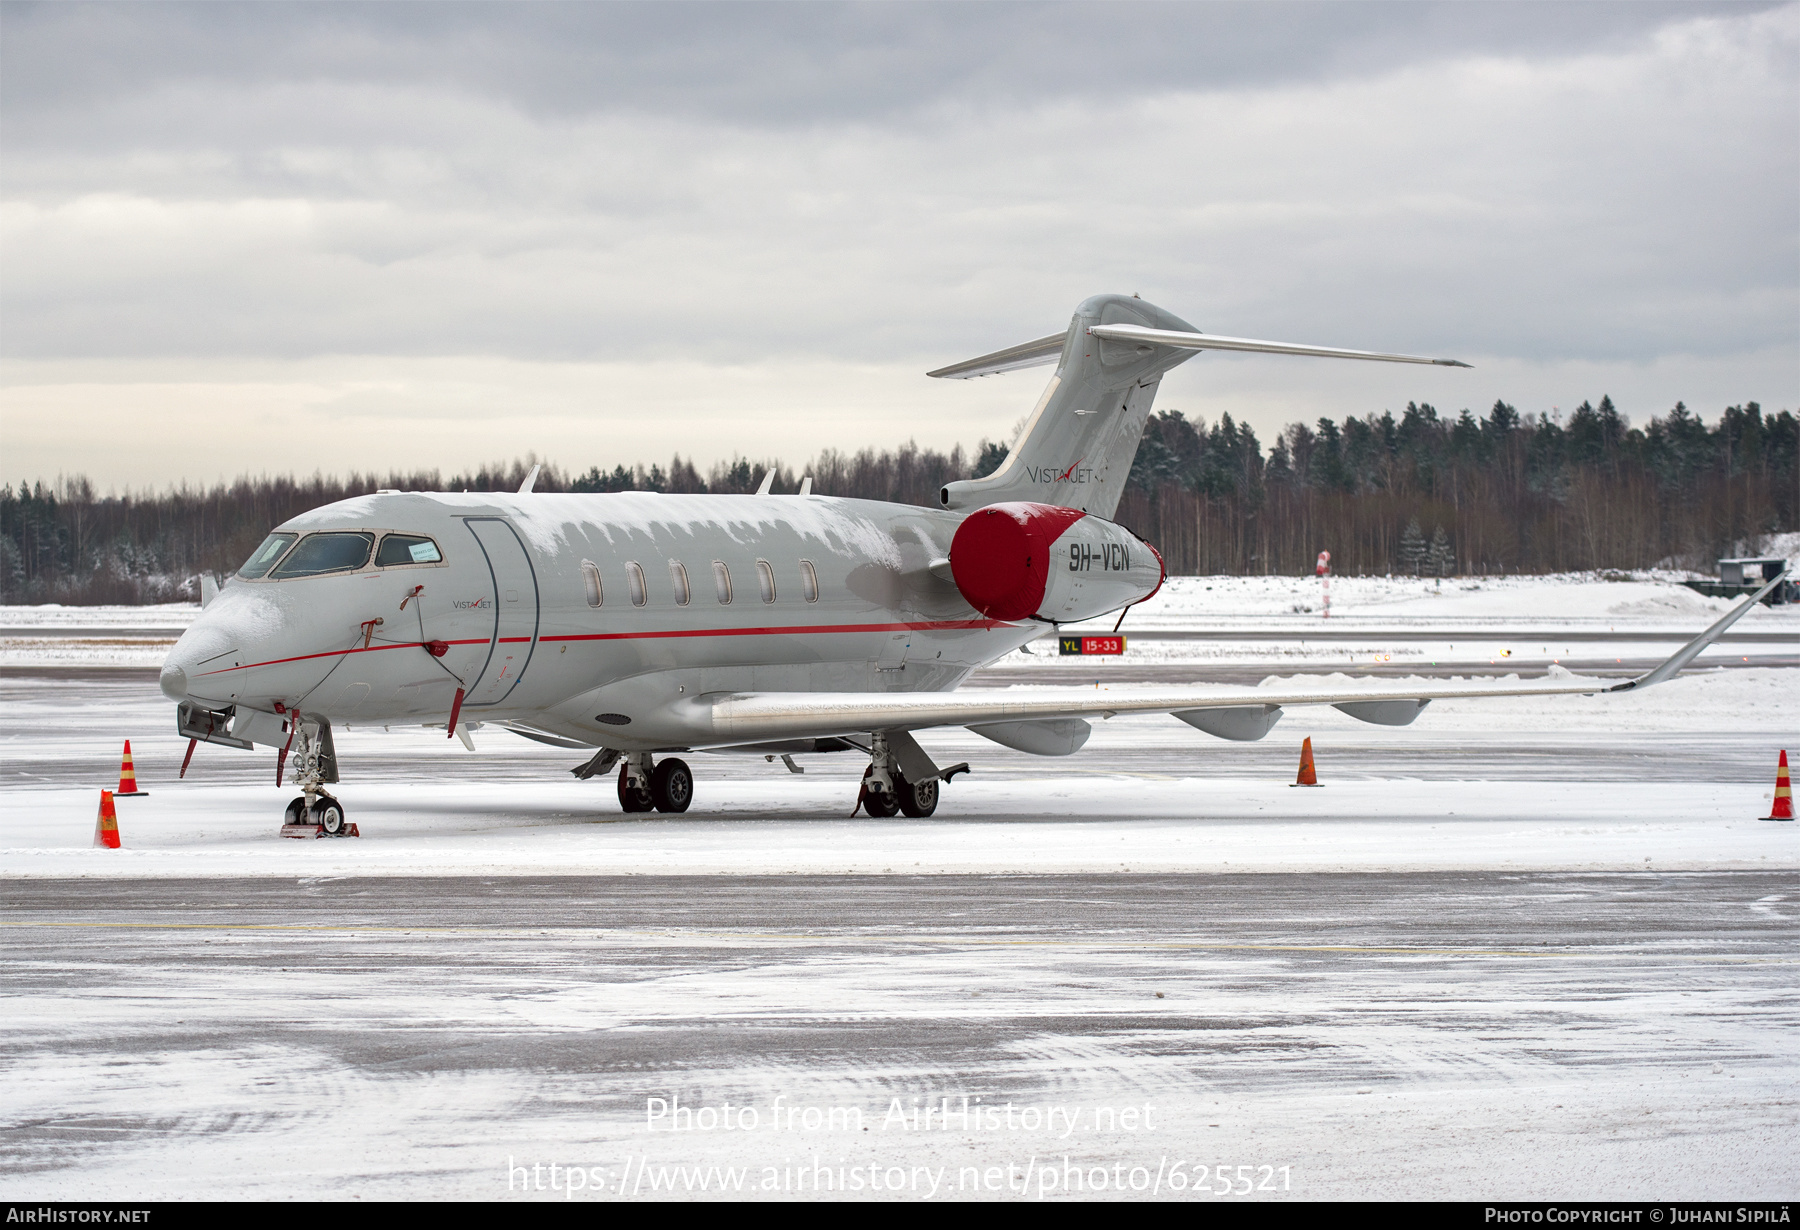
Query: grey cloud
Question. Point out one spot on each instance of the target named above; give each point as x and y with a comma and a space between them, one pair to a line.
627, 183
754, 63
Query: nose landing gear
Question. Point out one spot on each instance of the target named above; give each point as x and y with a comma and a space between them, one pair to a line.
315, 813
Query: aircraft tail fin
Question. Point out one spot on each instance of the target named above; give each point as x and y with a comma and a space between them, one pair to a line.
1076, 448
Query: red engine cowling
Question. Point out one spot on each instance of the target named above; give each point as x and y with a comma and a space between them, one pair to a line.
1018, 561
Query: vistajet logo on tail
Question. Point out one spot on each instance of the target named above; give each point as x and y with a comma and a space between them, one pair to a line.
1050, 474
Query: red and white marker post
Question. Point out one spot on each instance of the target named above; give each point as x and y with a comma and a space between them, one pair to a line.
1324, 571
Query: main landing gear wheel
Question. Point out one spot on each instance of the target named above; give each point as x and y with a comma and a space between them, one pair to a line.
296, 811
878, 803
672, 786
328, 814
916, 801
633, 798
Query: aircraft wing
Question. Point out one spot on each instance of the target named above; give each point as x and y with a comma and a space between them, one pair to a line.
748, 717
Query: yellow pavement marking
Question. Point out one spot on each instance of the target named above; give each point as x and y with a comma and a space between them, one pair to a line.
742, 937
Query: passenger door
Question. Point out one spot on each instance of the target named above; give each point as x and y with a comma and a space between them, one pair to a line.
515, 593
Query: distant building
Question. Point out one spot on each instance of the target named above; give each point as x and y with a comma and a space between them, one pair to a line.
1742, 576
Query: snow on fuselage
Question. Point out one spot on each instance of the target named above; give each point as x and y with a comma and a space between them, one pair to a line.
567, 611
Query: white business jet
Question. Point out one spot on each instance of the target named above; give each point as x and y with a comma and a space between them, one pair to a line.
637, 626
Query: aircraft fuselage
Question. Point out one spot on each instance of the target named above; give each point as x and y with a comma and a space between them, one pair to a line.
567, 611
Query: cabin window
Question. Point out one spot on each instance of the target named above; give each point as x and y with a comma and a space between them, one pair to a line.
722, 581
398, 550
678, 579
590, 577
809, 581
765, 579
634, 580
318, 554
264, 557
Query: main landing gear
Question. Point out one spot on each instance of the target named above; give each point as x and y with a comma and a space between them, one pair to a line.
917, 800
886, 787
646, 785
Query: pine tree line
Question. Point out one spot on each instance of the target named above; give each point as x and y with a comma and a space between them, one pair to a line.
1505, 492
1508, 492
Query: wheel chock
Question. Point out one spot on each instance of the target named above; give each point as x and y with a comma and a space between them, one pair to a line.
316, 830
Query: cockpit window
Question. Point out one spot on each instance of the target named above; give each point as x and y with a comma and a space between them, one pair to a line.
264, 557
399, 549
322, 553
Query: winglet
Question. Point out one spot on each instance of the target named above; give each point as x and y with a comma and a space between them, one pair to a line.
530, 480
1688, 652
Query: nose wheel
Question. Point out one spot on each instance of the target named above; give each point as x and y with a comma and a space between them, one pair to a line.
328, 814
323, 817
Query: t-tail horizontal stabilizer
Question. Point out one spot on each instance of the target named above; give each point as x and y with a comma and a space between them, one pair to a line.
1147, 338
1047, 350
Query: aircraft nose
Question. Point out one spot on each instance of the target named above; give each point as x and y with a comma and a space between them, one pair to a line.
174, 682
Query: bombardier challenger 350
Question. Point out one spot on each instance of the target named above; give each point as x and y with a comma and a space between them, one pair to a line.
636, 626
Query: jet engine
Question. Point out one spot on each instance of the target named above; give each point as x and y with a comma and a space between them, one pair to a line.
1037, 561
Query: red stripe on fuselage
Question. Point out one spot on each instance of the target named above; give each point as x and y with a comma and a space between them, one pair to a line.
791, 630
338, 653
951, 625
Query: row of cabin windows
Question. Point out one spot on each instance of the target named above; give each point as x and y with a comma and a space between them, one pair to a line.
684, 592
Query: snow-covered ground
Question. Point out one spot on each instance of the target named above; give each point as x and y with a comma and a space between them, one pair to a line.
1102, 823
1144, 794
1538, 948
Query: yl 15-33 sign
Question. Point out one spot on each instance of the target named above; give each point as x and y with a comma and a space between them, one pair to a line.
1091, 644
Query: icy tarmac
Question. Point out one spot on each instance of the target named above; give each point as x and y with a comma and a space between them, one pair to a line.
1535, 948
1425, 1035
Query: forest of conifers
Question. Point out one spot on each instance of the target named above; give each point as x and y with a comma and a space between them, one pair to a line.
1504, 492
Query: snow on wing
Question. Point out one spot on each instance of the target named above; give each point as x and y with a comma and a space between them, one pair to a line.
762, 715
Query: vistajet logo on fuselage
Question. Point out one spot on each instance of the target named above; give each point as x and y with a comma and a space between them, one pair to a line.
478, 604
1050, 474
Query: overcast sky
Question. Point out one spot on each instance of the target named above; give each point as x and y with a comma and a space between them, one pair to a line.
267, 237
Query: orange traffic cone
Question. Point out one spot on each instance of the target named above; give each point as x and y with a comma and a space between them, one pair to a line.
128, 778
1784, 793
1308, 777
106, 825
